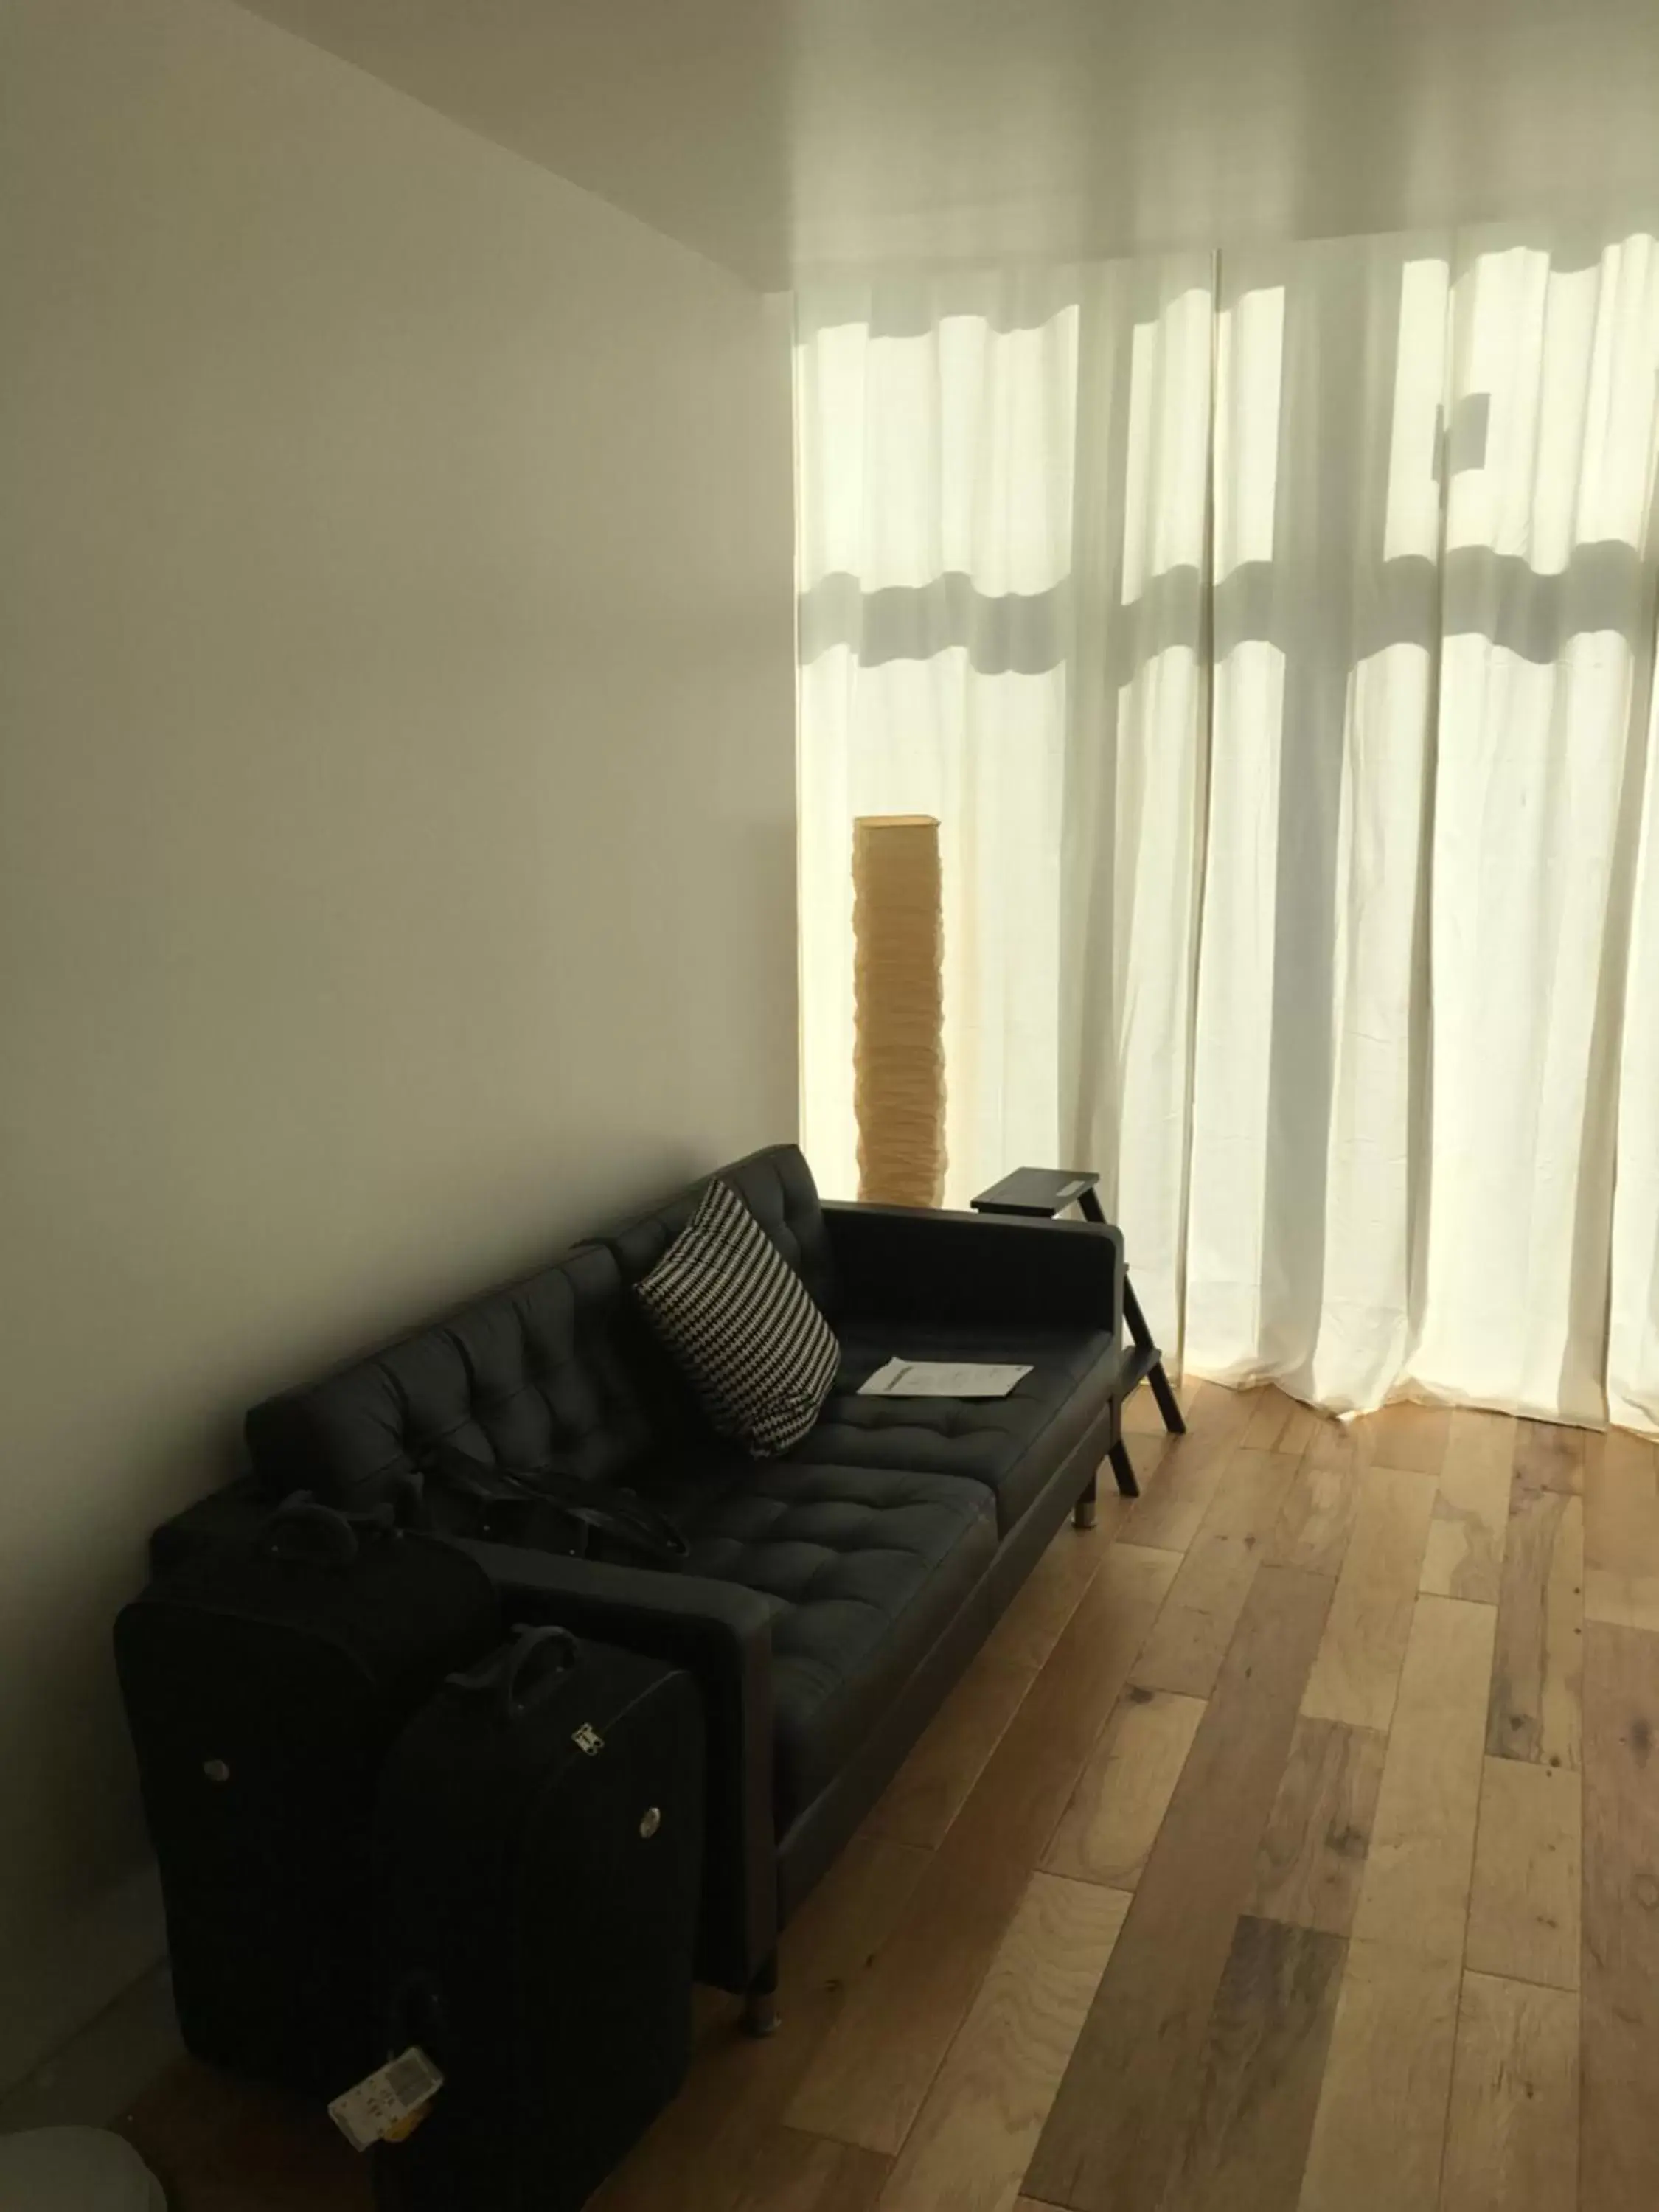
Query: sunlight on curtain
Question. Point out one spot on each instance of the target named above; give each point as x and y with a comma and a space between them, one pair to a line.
1545, 678
936, 433
1633, 1319
1330, 359
1274, 638
1232, 1052
1135, 784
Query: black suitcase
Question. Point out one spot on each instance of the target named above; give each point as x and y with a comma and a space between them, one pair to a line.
265, 1678
538, 1850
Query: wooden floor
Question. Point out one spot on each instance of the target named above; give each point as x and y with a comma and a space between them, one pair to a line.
1294, 1842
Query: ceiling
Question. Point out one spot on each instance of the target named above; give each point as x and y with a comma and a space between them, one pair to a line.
794, 138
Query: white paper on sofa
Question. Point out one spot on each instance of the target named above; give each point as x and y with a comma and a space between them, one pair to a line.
941, 1378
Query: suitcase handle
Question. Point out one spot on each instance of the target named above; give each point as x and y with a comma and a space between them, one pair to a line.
304, 1530
503, 1673
301, 1529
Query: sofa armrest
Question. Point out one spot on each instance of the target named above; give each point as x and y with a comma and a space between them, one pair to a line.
721, 1634
911, 1263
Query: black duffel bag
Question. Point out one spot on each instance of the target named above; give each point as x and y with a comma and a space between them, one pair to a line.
459, 1496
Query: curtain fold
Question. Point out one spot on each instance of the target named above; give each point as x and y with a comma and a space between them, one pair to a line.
1274, 635
1134, 790
1633, 1302
1545, 680
1306, 1157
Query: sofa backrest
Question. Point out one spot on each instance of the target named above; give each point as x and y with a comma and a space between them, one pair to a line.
776, 1185
560, 1371
530, 1375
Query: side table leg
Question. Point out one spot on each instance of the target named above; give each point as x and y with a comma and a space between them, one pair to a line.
1123, 1469
1174, 1420
1088, 1206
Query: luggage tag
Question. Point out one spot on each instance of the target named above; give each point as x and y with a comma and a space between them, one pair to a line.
388, 2104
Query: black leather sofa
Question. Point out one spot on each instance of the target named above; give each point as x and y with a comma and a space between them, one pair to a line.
830, 1597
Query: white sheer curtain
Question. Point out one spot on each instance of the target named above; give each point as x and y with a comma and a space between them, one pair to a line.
1274, 639
936, 431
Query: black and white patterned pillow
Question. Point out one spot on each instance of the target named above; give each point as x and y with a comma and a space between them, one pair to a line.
742, 1325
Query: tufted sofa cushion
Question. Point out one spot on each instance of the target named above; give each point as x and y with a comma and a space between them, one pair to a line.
560, 1371
865, 1567
556, 1370
776, 1185
1012, 1445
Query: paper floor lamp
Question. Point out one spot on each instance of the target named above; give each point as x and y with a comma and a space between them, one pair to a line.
899, 1054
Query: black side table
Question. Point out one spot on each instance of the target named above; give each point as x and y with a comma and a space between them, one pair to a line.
1040, 1193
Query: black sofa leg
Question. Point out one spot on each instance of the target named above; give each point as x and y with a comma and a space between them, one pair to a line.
1083, 1513
1123, 1469
759, 2003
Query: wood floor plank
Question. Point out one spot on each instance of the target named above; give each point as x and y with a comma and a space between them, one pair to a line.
1380, 2125
974, 2132
930, 1988
1190, 1638
867, 2080
1118, 1806
1620, 1970
1408, 1434
1174, 1501
1278, 1423
1147, 1456
1523, 1901
1464, 1555
1536, 1706
1355, 1674
1316, 1522
218, 2144
1549, 1457
1141, 1417
1512, 2131
1415, 1891
1119, 2119
1622, 1530
1260, 2075
789, 2171
928, 1791
692, 2159
1339, 1443
1036, 1615
1312, 1858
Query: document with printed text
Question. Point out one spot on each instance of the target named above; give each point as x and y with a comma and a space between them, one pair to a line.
941, 1378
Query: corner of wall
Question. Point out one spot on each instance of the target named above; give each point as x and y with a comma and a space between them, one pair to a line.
55, 1990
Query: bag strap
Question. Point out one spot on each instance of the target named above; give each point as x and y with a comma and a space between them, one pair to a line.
619, 1514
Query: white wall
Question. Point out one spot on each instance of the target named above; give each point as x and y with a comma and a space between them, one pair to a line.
396, 831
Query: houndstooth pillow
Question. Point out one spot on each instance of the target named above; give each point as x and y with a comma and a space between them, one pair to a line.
742, 1325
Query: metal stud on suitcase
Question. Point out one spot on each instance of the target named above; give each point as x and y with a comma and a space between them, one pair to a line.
538, 1849
265, 1679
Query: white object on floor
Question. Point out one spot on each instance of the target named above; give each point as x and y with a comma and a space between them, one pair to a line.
75, 2170
941, 1378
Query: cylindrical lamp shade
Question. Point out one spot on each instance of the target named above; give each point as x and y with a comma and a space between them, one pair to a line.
898, 1054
